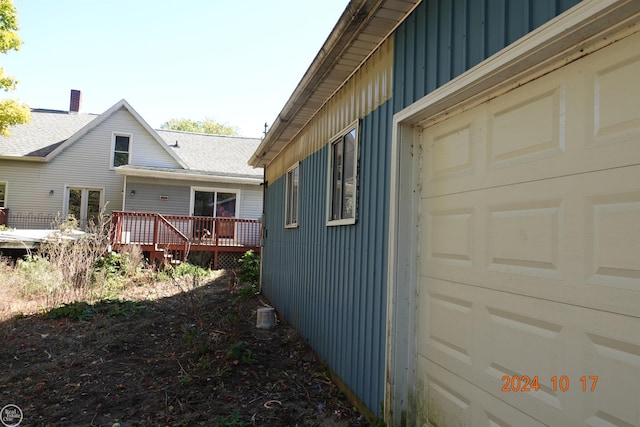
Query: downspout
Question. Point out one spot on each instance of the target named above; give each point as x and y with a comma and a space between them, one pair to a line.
124, 194
263, 229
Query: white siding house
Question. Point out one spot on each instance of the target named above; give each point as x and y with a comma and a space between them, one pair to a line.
67, 162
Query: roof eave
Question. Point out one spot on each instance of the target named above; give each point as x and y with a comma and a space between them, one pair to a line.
357, 15
330, 51
187, 175
24, 159
102, 117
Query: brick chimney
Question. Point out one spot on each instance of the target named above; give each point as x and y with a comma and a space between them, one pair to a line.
74, 103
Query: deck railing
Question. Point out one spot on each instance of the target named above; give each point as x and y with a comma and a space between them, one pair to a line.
172, 232
29, 220
169, 239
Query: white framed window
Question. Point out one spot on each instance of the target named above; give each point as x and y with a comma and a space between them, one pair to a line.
342, 186
120, 149
292, 196
3, 194
215, 202
84, 204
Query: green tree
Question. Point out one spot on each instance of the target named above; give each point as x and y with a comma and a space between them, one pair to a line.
202, 126
11, 111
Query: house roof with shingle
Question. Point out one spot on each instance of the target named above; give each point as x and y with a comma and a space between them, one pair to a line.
219, 154
47, 130
203, 156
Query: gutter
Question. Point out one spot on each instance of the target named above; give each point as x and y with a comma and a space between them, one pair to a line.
189, 176
24, 159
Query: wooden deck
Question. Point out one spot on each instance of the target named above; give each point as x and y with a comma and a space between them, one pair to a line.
168, 237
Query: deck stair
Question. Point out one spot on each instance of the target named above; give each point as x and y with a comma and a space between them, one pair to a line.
168, 239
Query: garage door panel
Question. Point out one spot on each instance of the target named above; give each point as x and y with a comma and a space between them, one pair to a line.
522, 239
586, 378
529, 251
603, 419
524, 231
451, 229
613, 224
528, 341
452, 151
583, 117
527, 338
613, 344
530, 129
448, 335
493, 339
526, 238
613, 372
616, 103
448, 400
572, 239
453, 156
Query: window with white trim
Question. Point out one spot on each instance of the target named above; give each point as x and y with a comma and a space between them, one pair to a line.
343, 177
291, 197
121, 145
84, 204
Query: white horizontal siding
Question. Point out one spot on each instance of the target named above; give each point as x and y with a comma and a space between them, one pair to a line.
28, 187
148, 192
84, 164
251, 202
145, 150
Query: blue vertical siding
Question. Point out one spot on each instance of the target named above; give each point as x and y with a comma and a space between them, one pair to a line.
330, 282
444, 38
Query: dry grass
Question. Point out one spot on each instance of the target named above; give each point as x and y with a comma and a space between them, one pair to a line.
70, 266
36, 284
13, 298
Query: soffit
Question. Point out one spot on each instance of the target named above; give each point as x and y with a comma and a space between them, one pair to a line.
363, 26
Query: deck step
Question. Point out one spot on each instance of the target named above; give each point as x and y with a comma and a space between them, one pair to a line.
169, 259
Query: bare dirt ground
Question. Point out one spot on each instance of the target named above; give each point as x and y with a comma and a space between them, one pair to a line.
161, 358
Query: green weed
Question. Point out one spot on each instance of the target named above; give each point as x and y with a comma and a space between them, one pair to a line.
250, 267
232, 420
197, 338
247, 292
188, 269
78, 310
239, 351
38, 277
203, 364
81, 310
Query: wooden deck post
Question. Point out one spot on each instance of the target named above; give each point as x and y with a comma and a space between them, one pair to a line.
168, 235
216, 246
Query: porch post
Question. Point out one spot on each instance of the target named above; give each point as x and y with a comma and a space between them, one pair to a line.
215, 247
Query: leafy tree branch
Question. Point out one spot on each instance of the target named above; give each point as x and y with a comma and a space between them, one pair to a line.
11, 111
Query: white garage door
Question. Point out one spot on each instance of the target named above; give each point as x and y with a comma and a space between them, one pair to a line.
530, 253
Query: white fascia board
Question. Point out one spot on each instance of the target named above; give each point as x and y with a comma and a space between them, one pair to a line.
24, 159
187, 176
585, 28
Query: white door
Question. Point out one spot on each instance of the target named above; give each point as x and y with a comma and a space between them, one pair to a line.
84, 205
529, 253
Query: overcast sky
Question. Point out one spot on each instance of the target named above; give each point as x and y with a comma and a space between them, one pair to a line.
236, 61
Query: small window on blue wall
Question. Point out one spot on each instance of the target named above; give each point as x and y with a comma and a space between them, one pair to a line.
343, 177
291, 198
